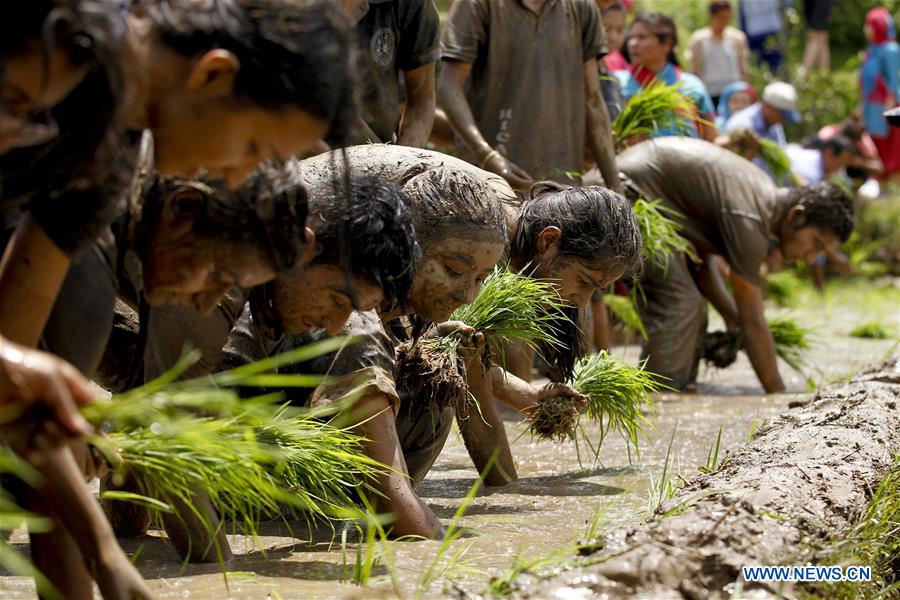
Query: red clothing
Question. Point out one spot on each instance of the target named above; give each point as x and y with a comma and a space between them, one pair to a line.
615, 62
889, 149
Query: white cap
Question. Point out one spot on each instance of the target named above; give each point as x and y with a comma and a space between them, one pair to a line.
783, 96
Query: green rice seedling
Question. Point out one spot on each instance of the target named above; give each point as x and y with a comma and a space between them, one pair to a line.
871, 330
623, 309
654, 107
510, 307
617, 394
792, 342
664, 487
660, 232
712, 457
776, 159
784, 287
13, 516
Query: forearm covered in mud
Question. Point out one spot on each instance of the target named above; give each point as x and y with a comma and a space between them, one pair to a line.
512, 390
757, 338
599, 129
421, 100
712, 285
483, 431
31, 274
452, 98
372, 418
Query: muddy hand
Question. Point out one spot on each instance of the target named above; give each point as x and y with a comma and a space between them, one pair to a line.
118, 579
553, 390
471, 342
508, 170
33, 378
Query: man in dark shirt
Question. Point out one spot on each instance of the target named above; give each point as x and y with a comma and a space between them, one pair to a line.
728, 207
519, 85
396, 37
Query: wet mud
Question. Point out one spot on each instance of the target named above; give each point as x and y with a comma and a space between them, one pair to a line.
806, 474
558, 497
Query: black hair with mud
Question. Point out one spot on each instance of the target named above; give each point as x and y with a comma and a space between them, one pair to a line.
597, 226
371, 229
298, 53
663, 28
268, 212
826, 206
448, 200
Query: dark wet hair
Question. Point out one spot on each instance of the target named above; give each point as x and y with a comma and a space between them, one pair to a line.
298, 53
446, 199
826, 206
615, 6
597, 225
268, 211
663, 28
82, 156
373, 226
719, 5
837, 144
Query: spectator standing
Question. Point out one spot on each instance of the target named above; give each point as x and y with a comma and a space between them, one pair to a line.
519, 82
396, 38
735, 97
880, 88
651, 45
817, 54
761, 20
719, 53
614, 28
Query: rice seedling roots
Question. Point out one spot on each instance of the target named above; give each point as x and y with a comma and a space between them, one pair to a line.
796, 490
554, 418
429, 376
720, 348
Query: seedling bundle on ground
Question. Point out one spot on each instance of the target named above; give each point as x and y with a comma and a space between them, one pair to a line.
252, 458
792, 342
617, 395
509, 308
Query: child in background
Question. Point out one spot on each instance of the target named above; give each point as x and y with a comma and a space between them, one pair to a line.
614, 28
735, 97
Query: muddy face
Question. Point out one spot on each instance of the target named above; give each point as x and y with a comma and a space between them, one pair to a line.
575, 279
31, 83
450, 274
182, 269
318, 297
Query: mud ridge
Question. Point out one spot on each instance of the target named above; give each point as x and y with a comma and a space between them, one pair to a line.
805, 476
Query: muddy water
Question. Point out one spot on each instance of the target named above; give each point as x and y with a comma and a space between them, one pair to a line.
550, 506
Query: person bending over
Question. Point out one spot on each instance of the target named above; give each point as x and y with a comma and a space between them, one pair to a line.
731, 208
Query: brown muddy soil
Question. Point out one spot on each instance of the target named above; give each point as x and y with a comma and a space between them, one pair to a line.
806, 475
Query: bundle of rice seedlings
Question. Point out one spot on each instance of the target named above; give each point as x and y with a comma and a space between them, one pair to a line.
791, 341
656, 106
783, 287
872, 330
617, 394
624, 310
555, 418
660, 232
509, 308
776, 159
251, 457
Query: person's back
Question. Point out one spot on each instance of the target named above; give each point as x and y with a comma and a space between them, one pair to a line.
526, 88
726, 204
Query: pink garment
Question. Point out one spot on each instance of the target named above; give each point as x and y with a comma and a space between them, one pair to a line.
615, 62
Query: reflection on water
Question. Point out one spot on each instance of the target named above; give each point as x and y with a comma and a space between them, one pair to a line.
550, 506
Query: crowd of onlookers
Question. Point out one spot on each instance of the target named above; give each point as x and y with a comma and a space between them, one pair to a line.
861, 150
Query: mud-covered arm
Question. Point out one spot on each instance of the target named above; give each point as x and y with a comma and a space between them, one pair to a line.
371, 417
483, 431
523, 395
711, 283
421, 100
599, 129
757, 338
31, 274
